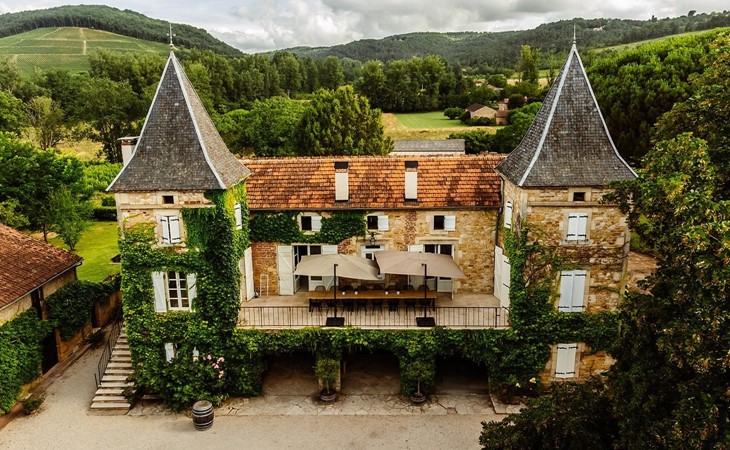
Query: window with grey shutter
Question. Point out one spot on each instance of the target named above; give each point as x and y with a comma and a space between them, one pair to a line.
565, 364
577, 227
239, 217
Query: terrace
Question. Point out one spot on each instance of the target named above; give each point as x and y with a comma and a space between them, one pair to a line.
460, 311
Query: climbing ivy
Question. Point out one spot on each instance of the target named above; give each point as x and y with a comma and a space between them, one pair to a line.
71, 307
21, 354
283, 227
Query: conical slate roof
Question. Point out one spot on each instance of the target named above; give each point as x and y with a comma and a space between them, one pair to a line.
179, 148
568, 143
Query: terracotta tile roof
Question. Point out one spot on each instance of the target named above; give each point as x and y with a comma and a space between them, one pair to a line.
27, 263
568, 143
375, 182
179, 148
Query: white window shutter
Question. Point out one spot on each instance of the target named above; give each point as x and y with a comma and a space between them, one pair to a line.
582, 232
498, 274
449, 223
579, 286
508, 214
415, 248
316, 223
506, 273
158, 283
566, 291
165, 227
572, 227
192, 289
565, 364
196, 353
329, 249
239, 217
383, 223
174, 229
169, 351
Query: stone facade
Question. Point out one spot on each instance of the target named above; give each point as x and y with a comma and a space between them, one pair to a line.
472, 240
588, 364
604, 255
15, 308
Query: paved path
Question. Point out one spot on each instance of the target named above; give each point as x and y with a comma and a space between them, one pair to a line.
63, 423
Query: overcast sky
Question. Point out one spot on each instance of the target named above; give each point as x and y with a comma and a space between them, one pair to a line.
261, 25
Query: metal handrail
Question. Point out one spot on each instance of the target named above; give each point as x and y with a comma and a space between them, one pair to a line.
107, 353
461, 317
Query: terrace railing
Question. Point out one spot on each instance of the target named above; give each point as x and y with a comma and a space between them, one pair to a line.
282, 317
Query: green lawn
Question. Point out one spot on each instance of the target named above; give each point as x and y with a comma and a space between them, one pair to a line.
97, 246
434, 119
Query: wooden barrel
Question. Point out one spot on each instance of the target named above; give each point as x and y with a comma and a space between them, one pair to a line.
203, 415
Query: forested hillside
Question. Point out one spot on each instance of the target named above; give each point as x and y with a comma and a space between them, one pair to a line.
502, 49
128, 23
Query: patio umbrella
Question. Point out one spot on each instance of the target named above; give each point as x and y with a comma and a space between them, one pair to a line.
334, 265
412, 263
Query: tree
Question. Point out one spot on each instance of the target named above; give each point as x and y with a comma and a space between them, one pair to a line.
69, 216
12, 118
527, 66
231, 128
371, 83
46, 119
342, 123
10, 216
29, 176
506, 139
270, 128
453, 113
111, 108
290, 72
330, 73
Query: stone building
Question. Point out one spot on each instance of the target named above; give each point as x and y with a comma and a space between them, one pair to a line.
438, 204
30, 271
553, 183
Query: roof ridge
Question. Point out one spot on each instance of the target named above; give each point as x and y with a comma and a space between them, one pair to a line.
182, 78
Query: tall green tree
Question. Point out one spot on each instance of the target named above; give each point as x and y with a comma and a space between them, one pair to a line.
12, 116
111, 108
342, 123
46, 120
30, 176
270, 128
69, 216
527, 66
330, 73
372, 82
290, 72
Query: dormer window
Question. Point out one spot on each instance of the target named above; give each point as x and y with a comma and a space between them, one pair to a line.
168, 199
579, 196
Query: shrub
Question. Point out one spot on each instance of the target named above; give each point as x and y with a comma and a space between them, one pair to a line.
453, 113
32, 403
70, 307
327, 370
474, 141
108, 200
465, 117
105, 214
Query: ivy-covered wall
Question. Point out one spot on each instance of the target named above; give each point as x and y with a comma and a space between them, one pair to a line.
231, 361
21, 354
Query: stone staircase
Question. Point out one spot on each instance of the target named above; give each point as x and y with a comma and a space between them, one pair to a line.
109, 398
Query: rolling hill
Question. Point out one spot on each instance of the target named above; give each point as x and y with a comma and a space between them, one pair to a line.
122, 22
67, 48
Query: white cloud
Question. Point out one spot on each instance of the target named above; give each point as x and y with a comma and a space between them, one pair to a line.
262, 25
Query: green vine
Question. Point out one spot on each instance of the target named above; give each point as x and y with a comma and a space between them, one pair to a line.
283, 227
71, 307
21, 354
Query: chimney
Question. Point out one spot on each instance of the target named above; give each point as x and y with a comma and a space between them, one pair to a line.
342, 181
128, 143
411, 191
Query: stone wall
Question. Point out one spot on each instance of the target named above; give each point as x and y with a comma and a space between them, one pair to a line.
105, 312
15, 308
473, 241
68, 348
605, 253
588, 364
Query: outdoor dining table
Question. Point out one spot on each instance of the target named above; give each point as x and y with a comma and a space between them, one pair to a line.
349, 295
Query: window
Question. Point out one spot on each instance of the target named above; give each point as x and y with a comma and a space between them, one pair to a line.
441, 249
238, 216
311, 223
174, 291
579, 196
446, 223
170, 227
577, 227
170, 351
168, 199
379, 223
508, 214
572, 290
565, 361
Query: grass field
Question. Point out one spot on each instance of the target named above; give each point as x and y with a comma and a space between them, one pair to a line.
97, 246
636, 44
67, 48
430, 125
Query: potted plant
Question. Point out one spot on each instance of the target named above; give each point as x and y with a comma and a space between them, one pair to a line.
419, 371
327, 370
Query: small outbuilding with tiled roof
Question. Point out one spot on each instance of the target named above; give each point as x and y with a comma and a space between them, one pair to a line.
30, 268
